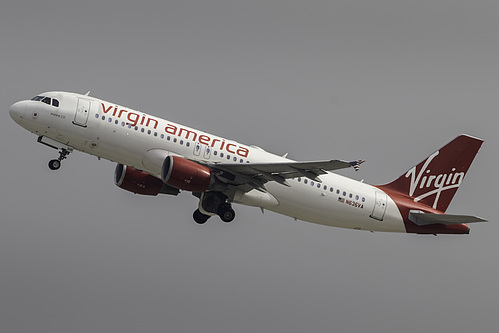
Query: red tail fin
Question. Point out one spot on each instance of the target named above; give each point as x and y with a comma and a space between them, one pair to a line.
435, 180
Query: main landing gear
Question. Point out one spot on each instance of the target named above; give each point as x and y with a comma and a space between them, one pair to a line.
56, 163
214, 203
226, 213
199, 217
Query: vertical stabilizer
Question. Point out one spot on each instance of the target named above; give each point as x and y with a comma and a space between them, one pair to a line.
434, 181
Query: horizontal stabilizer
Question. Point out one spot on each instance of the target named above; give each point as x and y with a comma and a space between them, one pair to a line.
426, 219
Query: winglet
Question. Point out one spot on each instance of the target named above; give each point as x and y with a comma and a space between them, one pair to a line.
356, 164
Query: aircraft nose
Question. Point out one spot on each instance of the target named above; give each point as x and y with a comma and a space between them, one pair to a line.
17, 110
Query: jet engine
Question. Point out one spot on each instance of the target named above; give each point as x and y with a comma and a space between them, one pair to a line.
140, 182
186, 175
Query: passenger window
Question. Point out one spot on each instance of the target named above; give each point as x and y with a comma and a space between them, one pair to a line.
46, 100
55, 103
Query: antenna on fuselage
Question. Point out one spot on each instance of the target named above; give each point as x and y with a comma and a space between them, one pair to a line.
88, 92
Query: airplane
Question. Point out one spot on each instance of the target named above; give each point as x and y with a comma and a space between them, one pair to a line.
157, 156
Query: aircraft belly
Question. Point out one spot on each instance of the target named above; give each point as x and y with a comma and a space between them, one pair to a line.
323, 207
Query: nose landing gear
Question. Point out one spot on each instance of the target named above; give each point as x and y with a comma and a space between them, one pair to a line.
56, 163
64, 151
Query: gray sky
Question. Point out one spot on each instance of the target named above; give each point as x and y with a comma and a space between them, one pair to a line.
386, 81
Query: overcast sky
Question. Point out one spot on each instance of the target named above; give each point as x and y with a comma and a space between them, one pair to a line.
386, 81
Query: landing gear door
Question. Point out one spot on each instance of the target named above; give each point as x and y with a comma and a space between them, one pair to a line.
82, 111
379, 206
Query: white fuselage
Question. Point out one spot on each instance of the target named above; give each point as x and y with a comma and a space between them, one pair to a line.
142, 141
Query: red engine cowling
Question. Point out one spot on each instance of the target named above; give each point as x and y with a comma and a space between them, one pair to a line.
136, 181
186, 175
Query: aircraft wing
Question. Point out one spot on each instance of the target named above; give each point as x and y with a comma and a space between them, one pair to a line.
255, 175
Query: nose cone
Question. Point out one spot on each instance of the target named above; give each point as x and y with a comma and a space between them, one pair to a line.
17, 110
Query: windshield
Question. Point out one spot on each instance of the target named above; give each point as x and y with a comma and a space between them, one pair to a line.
47, 100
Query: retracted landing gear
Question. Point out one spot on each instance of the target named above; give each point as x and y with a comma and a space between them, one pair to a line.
56, 163
214, 203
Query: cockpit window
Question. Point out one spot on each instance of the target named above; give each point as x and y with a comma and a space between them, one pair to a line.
47, 100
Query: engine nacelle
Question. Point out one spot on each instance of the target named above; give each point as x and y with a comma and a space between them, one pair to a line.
140, 182
186, 175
